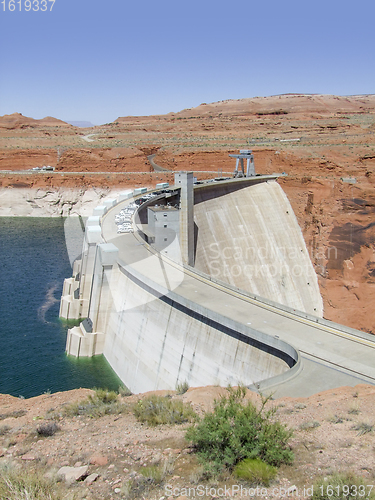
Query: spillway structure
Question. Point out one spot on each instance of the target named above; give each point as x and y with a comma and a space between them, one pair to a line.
209, 283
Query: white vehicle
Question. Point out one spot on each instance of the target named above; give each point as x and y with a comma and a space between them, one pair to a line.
124, 219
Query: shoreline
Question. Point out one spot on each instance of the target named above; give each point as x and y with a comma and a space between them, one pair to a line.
53, 202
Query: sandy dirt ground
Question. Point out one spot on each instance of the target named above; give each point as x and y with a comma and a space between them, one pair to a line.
115, 448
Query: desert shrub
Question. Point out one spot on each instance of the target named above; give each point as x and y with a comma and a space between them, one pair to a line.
48, 429
256, 471
69, 410
4, 429
101, 403
335, 419
152, 474
149, 477
363, 428
182, 387
306, 426
168, 466
155, 410
124, 391
354, 409
198, 475
103, 396
235, 431
22, 485
342, 487
13, 414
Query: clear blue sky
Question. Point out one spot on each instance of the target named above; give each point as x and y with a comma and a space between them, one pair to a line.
97, 60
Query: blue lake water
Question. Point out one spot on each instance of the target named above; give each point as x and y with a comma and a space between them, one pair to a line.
34, 262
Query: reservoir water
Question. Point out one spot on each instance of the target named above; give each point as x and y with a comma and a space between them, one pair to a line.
34, 262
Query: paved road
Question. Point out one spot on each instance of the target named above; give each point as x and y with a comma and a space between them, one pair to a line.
87, 137
157, 168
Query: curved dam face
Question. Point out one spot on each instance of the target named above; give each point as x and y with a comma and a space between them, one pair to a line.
151, 319
250, 238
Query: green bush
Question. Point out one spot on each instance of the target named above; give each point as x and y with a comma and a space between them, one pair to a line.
342, 487
235, 431
256, 471
155, 410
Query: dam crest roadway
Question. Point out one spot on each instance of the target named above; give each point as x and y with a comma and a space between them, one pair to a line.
160, 320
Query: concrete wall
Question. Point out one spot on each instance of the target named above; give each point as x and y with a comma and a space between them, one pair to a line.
250, 238
162, 341
164, 224
152, 337
186, 181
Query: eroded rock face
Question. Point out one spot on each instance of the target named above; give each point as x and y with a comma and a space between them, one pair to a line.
51, 202
337, 220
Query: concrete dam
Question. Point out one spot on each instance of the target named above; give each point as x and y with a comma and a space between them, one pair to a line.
209, 284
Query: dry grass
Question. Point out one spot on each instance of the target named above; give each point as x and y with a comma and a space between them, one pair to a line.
307, 426
150, 479
342, 486
13, 414
102, 403
363, 428
182, 388
26, 485
156, 410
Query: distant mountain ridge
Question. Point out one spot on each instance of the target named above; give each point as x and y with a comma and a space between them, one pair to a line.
297, 104
17, 120
80, 123
284, 104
